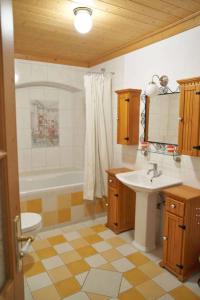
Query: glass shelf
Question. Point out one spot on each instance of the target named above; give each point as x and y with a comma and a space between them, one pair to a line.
174, 154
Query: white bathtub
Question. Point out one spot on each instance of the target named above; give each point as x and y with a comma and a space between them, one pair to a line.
40, 182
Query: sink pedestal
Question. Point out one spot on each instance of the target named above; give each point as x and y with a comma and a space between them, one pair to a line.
145, 221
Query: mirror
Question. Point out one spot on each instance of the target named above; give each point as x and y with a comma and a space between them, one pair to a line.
162, 113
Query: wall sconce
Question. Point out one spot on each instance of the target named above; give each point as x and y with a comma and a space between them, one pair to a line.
83, 19
153, 89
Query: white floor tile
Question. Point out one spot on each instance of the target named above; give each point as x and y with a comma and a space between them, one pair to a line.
103, 282
27, 292
70, 236
167, 281
38, 281
78, 296
81, 277
101, 246
64, 247
95, 260
107, 234
126, 249
122, 265
125, 285
52, 262
191, 283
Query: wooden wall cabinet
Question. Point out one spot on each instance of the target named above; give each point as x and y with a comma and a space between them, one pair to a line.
121, 203
181, 234
189, 116
128, 116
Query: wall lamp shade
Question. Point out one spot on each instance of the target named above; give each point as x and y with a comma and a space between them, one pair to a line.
83, 19
151, 89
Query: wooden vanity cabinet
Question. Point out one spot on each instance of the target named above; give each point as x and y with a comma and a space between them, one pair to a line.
189, 116
181, 232
121, 203
128, 116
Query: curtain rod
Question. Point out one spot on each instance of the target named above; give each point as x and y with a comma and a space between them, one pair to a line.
102, 71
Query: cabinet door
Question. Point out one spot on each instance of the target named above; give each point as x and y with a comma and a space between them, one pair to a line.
189, 132
173, 242
112, 207
122, 130
126, 208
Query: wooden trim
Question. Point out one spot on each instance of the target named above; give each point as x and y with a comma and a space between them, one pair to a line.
128, 91
182, 25
54, 60
2, 154
189, 80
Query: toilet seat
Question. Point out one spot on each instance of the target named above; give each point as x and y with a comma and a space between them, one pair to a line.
30, 221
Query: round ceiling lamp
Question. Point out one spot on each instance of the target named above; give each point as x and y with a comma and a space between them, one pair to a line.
83, 19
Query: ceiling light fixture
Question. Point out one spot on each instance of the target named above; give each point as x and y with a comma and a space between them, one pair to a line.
83, 19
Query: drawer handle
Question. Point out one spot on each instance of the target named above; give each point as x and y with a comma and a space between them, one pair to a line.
164, 238
110, 180
173, 205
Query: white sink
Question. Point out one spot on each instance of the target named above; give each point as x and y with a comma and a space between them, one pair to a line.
140, 181
146, 214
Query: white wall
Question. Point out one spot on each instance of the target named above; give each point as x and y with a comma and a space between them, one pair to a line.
178, 57
69, 153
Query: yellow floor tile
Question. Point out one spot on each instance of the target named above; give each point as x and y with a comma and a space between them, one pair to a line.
151, 269
183, 293
33, 269
45, 253
96, 297
107, 267
111, 255
40, 244
59, 274
99, 228
70, 257
67, 287
30, 258
116, 241
48, 292
79, 243
78, 267
86, 251
92, 239
86, 231
150, 290
131, 294
138, 258
135, 276
58, 239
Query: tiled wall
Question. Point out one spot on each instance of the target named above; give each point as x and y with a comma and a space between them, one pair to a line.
178, 57
69, 153
59, 208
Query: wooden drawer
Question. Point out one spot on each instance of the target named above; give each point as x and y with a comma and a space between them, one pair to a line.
175, 207
112, 181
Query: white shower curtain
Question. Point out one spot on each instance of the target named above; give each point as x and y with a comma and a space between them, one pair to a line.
98, 141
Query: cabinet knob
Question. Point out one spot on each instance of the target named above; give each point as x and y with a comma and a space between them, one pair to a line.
110, 180
164, 238
126, 138
180, 119
173, 205
116, 195
116, 224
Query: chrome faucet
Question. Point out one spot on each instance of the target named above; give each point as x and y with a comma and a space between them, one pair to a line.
155, 171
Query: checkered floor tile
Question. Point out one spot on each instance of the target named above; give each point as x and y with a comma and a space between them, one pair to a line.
89, 262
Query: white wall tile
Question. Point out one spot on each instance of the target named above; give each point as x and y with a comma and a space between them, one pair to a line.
38, 158
52, 157
38, 72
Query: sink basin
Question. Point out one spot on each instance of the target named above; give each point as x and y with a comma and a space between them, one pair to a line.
140, 181
146, 213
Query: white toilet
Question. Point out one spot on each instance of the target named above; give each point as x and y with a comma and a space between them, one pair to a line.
31, 223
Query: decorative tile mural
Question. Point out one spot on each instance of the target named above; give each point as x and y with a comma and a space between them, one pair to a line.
44, 123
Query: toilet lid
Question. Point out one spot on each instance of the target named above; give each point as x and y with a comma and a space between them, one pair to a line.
30, 221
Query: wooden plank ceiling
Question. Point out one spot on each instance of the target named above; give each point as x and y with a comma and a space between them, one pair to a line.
44, 29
